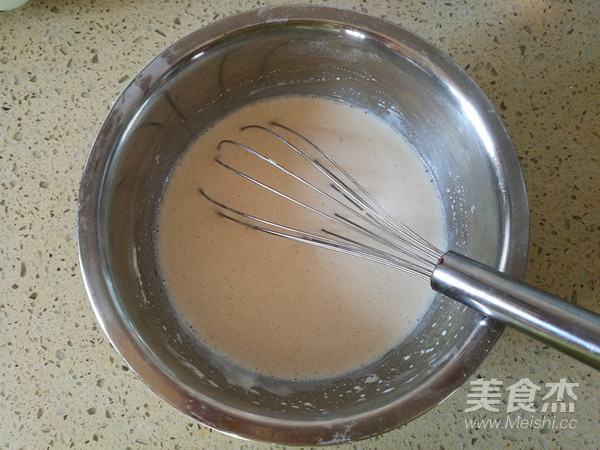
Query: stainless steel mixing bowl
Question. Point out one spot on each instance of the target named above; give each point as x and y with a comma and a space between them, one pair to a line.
281, 51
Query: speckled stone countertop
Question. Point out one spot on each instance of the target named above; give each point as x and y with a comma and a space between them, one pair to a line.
62, 63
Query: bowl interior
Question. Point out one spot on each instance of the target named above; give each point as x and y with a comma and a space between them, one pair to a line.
321, 52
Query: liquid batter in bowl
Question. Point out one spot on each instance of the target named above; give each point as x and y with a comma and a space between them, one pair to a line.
278, 307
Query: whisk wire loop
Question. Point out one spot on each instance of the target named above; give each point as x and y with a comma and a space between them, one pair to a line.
371, 219
372, 204
358, 249
349, 246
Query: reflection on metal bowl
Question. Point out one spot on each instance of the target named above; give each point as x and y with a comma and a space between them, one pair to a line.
250, 57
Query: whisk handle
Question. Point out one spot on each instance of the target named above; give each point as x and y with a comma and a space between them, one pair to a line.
562, 325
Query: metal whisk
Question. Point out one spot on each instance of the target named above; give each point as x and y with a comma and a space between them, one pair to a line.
364, 228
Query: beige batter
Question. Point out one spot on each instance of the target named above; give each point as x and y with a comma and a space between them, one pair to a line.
274, 306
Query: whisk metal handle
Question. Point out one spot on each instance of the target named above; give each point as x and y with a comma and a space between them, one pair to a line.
562, 325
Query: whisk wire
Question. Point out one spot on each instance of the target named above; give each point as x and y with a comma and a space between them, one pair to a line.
400, 227
418, 256
349, 246
336, 218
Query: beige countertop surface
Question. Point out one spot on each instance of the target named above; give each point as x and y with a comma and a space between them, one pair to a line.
63, 63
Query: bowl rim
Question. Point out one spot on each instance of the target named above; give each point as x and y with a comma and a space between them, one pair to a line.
214, 414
